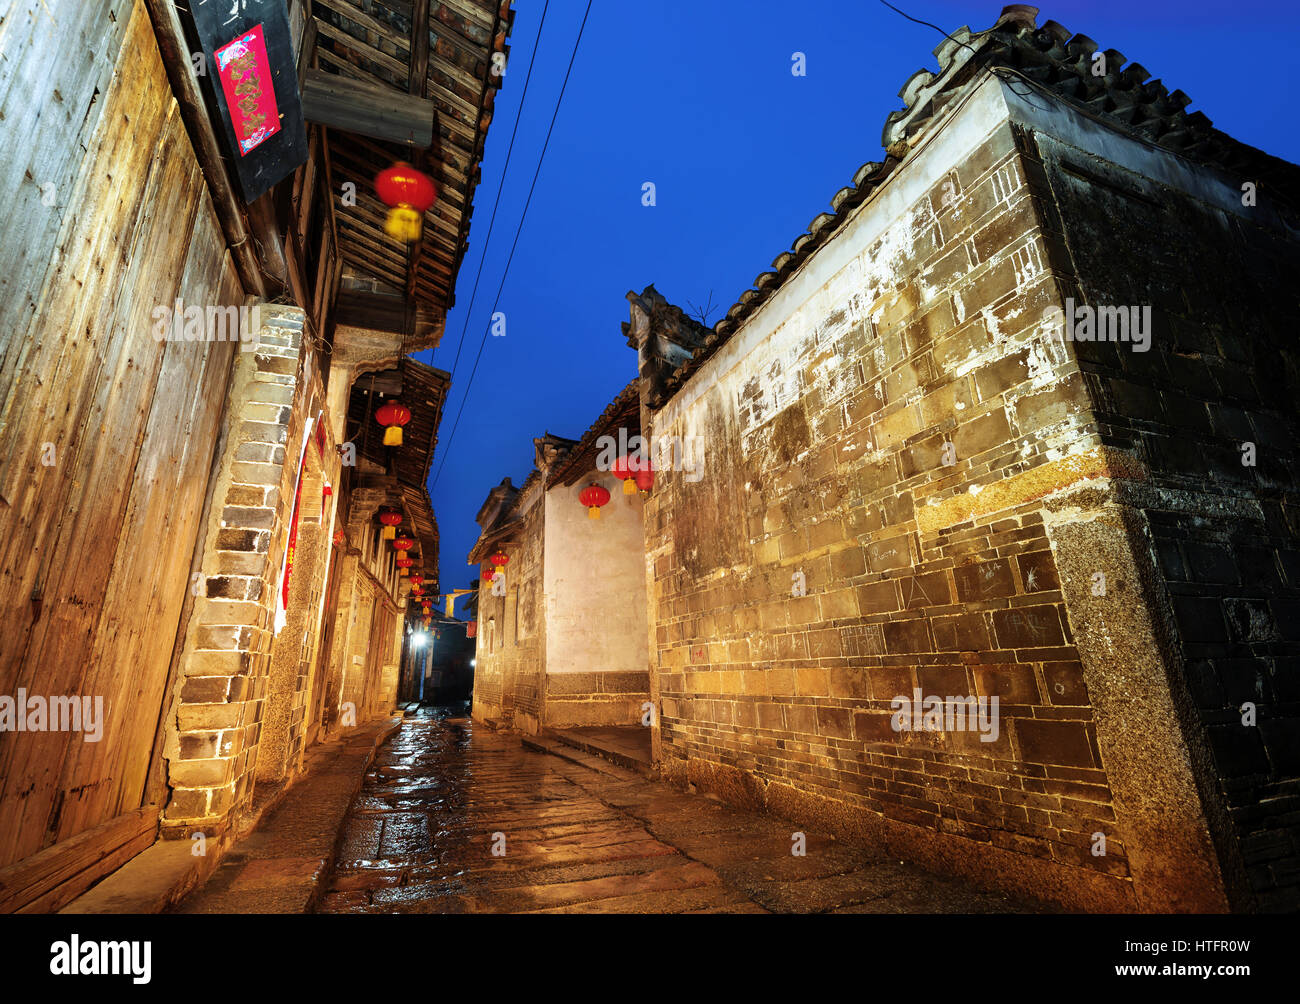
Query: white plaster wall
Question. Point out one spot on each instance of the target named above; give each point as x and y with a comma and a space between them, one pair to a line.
595, 582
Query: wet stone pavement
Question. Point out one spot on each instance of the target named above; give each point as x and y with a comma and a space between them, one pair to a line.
580, 835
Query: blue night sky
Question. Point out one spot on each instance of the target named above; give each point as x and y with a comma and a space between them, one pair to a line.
697, 97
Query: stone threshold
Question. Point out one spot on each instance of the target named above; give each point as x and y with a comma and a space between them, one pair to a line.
163, 874
618, 745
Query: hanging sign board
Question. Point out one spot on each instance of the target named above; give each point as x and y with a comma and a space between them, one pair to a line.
253, 84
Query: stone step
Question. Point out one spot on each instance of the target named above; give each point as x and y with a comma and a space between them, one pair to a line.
582, 758
594, 746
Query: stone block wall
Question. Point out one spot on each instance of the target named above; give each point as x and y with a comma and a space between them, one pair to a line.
366, 634
897, 453
292, 688
215, 722
1221, 534
574, 699
510, 654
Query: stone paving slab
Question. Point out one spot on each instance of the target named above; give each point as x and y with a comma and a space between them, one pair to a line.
577, 834
280, 867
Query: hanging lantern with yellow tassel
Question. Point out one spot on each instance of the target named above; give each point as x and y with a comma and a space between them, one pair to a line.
409, 194
391, 520
622, 469
392, 415
593, 497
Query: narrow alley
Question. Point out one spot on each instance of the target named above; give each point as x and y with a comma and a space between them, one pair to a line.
573, 832
445, 470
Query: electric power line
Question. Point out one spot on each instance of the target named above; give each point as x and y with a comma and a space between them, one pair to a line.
917, 20
527, 202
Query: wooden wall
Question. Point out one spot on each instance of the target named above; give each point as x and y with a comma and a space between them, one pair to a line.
106, 534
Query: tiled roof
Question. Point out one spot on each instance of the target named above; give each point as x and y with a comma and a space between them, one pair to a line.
1050, 56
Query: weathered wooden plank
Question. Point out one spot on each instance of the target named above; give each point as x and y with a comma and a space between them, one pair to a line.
346, 68
466, 66
63, 656
356, 107
185, 86
375, 266
95, 336
419, 48
471, 12
52, 73
328, 182
77, 300
370, 242
358, 16
73, 862
304, 186
371, 266
356, 247
146, 590
362, 48
320, 279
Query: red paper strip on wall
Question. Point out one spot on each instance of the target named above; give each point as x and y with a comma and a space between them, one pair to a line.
246, 81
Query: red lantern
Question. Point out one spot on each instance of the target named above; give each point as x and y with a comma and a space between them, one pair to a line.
623, 470
391, 520
471, 629
392, 415
645, 480
593, 497
500, 560
403, 544
405, 563
488, 573
340, 538
417, 580
408, 193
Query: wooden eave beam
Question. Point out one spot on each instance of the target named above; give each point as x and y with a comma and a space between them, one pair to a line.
352, 106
